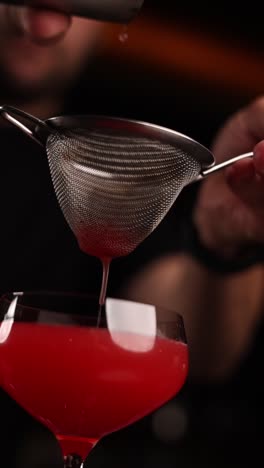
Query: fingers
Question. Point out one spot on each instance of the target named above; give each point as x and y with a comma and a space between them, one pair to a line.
259, 157
216, 216
40, 25
229, 213
241, 132
246, 179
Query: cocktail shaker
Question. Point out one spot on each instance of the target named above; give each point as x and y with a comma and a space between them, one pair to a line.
117, 11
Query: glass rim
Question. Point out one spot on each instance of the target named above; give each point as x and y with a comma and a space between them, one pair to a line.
10, 295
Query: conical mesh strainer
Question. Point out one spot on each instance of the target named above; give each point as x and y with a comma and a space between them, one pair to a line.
115, 179
115, 189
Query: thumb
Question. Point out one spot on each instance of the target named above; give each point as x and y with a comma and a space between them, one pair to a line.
259, 158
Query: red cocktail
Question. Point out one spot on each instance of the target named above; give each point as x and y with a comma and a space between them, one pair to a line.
85, 378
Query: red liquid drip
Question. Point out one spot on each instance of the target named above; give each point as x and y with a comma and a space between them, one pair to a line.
106, 266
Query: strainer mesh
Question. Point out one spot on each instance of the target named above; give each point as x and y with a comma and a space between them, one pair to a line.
115, 188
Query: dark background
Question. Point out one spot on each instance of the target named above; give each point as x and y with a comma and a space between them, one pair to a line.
159, 75
186, 65
149, 78
223, 423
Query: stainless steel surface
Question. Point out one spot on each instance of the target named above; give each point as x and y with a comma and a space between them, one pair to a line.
119, 11
115, 188
115, 179
223, 165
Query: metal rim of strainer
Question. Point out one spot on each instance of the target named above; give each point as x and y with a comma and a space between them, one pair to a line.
138, 128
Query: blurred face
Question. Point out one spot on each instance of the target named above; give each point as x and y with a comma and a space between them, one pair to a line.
29, 69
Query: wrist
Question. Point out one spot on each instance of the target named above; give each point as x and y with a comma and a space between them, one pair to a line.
220, 262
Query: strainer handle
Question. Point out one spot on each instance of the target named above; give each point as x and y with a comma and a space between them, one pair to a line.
35, 128
222, 165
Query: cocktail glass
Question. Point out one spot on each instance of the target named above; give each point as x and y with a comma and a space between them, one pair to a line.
83, 374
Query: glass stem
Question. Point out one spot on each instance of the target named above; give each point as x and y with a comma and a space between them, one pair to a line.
75, 450
73, 461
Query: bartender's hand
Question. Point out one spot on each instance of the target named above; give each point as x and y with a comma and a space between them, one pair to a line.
229, 213
41, 25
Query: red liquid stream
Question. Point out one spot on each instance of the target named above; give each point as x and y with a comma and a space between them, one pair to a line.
82, 385
106, 267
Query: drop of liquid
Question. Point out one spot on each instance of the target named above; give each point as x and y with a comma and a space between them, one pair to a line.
123, 36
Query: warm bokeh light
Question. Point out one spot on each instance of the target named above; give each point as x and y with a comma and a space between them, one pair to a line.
200, 55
